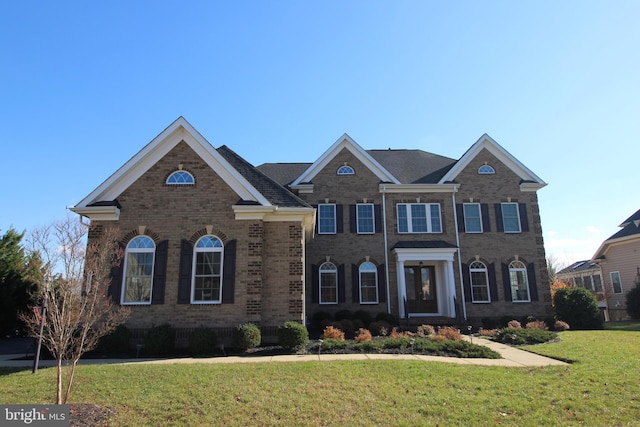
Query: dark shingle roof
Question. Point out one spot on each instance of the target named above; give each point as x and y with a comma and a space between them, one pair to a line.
634, 217
579, 266
271, 190
413, 166
283, 173
629, 230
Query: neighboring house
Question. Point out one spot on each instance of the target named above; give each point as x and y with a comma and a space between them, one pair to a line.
586, 274
212, 241
619, 258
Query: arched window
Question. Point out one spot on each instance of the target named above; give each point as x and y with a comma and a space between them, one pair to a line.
519, 282
138, 271
368, 283
180, 178
479, 282
206, 283
346, 170
486, 170
328, 283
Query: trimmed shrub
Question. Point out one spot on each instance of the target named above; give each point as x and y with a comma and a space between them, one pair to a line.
346, 325
488, 323
380, 328
363, 335
332, 344
521, 336
117, 342
487, 332
342, 315
387, 317
364, 316
160, 341
578, 307
246, 336
633, 302
332, 333
202, 341
538, 324
449, 332
466, 349
425, 331
368, 346
320, 319
514, 324
293, 336
561, 326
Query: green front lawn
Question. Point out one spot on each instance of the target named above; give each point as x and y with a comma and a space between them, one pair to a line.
600, 388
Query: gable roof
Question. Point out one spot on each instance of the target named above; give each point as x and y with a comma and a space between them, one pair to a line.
178, 131
345, 142
486, 142
630, 231
283, 173
579, 267
632, 218
413, 166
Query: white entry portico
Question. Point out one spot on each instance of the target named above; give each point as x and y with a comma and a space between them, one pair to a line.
425, 278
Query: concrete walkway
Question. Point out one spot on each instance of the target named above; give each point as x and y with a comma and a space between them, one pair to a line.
511, 357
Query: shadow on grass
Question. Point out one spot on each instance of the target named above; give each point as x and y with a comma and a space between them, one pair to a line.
627, 325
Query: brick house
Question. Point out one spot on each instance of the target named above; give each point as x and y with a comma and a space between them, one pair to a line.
211, 240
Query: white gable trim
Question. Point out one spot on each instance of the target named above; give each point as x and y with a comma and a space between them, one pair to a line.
501, 154
343, 142
179, 130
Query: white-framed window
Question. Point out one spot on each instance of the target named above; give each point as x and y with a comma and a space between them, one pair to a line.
479, 282
587, 283
327, 218
346, 170
419, 218
328, 283
510, 218
138, 271
206, 282
597, 282
486, 170
368, 283
616, 282
180, 178
472, 218
365, 218
519, 282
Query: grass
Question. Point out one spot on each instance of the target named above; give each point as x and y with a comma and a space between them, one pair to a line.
600, 388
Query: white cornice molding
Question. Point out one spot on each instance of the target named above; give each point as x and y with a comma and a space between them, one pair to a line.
345, 142
141, 162
532, 186
98, 213
303, 188
414, 254
488, 143
418, 188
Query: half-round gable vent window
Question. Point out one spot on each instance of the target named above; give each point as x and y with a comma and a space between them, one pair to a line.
346, 170
180, 178
486, 170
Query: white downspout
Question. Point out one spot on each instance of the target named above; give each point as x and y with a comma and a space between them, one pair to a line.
455, 220
386, 246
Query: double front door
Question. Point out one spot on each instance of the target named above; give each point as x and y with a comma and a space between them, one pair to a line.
421, 289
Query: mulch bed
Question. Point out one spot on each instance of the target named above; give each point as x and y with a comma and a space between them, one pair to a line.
89, 415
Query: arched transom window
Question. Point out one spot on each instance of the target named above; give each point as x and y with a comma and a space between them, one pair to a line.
138, 271
346, 170
486, 170
206, 283
180, 178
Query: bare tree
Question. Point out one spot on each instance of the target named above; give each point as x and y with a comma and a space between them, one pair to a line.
74, 283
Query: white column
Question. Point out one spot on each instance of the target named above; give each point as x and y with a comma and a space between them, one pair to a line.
402, 288
451, 288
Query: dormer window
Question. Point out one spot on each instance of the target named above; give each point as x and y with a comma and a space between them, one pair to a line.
346, 170
486, 170
180, 177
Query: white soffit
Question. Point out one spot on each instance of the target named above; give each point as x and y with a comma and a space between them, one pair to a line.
179, 130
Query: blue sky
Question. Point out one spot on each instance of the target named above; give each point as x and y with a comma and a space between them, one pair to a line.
85, 85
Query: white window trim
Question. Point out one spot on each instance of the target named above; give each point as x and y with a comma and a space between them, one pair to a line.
124, 272
373, 218
335, 220
464, 212
428, 219
613, 288
375, 272
333, 271
197, 250
486, 278
502, 205
526, 281
342, 168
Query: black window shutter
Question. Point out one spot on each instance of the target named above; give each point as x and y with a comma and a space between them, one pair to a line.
499, 225
466, 281
341, 285
506, 282
339, 219
524, 221
229, 272
486, 224
184, 276
315, 284
533, 286
493, 284
460, 215
382, 281
115, 287
355, 283
353, 226
160, 272
317, 218
377, 213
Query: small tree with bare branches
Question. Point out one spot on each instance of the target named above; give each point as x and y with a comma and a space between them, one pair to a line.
74, 283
